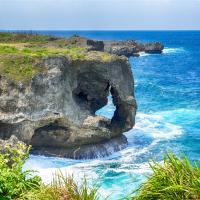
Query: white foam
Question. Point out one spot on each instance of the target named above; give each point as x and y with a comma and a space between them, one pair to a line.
156, 125
142, 54
173, 50
78, 170
166, 50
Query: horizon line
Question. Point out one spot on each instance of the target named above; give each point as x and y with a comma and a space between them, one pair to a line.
100, 30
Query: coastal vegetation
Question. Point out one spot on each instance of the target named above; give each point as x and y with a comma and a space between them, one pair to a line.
24, 185
21, 53
174, 178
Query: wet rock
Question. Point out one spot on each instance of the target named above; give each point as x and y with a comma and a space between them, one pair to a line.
91, 151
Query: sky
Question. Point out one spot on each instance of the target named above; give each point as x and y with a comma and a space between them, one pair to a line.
100, 14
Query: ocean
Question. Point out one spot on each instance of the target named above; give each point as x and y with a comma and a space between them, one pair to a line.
167, 90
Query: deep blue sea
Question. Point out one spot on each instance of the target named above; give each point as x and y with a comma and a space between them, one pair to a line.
167, 89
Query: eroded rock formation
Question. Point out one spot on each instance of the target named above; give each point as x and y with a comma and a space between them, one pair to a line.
126, 48
51, 88
132, 48
55, 111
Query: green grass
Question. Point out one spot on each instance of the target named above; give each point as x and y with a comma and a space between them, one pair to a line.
174, 179
19, 68
41, 51
13, 181
25, 37
16, 184
19, 52
7, 49
17, 62
62, 188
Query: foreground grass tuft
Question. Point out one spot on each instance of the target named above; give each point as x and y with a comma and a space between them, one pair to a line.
14, 181
16, 184
62, 188
65, 188
175, 178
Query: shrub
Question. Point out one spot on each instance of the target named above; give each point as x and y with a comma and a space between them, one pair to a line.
65, 188
175, 178
23, 185
13, 181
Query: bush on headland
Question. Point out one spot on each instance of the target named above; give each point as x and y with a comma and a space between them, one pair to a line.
175, 178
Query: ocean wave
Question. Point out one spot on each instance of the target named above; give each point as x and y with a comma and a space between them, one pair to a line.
173, 50
150, 129
143, 54
166, 50
157, 126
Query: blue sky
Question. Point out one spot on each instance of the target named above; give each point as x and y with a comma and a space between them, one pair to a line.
99, 14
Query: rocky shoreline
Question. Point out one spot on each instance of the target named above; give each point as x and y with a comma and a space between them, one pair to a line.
54, 110
126, 48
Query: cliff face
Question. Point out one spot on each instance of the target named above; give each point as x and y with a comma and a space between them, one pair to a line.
55, 110
50, 89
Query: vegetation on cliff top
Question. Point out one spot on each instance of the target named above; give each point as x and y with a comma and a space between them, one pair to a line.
25, 37
174, 178
20, 53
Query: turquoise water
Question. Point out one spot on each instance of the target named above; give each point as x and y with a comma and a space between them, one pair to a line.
167, 89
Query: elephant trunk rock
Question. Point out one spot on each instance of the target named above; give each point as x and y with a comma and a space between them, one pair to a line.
55, 111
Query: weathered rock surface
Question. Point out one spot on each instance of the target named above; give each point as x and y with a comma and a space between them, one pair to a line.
153, 47
121, 48
93, 45
132, 48
55, 111
126, 48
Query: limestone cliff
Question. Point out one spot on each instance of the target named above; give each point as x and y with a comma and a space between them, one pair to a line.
54, 110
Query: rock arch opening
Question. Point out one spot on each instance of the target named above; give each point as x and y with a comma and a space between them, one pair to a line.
109, 109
